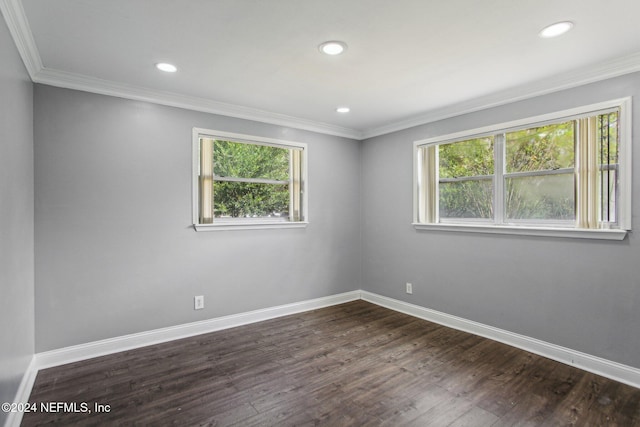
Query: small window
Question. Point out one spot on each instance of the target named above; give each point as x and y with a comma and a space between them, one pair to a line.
243, 181
564, 171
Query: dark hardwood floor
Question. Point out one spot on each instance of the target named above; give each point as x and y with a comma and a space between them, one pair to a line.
354, 364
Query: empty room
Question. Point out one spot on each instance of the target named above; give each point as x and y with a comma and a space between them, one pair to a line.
337, 213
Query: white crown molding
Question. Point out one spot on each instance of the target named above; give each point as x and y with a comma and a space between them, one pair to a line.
606, 368
598, 72
18, 24
106, 87
601, 71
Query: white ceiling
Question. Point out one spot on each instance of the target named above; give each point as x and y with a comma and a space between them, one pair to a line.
408, 61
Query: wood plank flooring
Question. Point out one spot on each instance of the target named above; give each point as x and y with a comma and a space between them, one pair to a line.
354, 364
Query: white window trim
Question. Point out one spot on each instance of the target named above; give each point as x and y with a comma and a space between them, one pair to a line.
242, 225
245, 224
578, 233
624, 204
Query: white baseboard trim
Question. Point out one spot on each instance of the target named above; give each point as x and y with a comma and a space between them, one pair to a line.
22, 395
606, 368
609, 369
90, 350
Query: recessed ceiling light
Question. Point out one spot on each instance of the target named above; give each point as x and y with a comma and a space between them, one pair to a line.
343, 109
168, 68
333, 47
557, 29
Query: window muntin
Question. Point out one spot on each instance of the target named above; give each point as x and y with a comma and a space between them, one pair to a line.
539, 173
242, 181
561, 170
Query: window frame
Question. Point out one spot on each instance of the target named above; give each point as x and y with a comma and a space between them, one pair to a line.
529, 227
247, 224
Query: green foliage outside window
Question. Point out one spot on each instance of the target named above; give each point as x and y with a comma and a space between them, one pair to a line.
473, 157
471, 198
544, 148
239, 160
562, 174
250, 161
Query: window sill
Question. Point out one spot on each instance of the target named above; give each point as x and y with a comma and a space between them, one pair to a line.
248, 226
600, 234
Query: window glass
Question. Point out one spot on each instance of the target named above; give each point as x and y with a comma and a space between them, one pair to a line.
473, 157
466, 199
544, 197
608, 166
541, 148
535, 187
242, 182
465, 170
240, 160
250, 200
562, 172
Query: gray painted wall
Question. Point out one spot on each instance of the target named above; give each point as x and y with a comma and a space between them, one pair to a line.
16, 219
115, 250
581, 294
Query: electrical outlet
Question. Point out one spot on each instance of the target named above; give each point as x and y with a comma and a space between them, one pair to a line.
198, 302
409, 288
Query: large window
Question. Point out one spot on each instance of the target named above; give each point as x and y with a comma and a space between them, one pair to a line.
243, 181
564, 174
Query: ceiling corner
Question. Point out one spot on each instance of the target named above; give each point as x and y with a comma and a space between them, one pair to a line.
18, 25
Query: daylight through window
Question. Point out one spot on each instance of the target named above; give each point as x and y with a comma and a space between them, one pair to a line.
245, 181
565, 171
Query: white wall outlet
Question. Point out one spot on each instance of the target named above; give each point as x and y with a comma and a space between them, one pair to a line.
198, 302
409, 288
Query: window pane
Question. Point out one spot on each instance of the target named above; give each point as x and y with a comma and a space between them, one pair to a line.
608, 187
542, 148
608, 138
234, 159
466, 199
550, 197
473, 157
608, 158
250, 200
